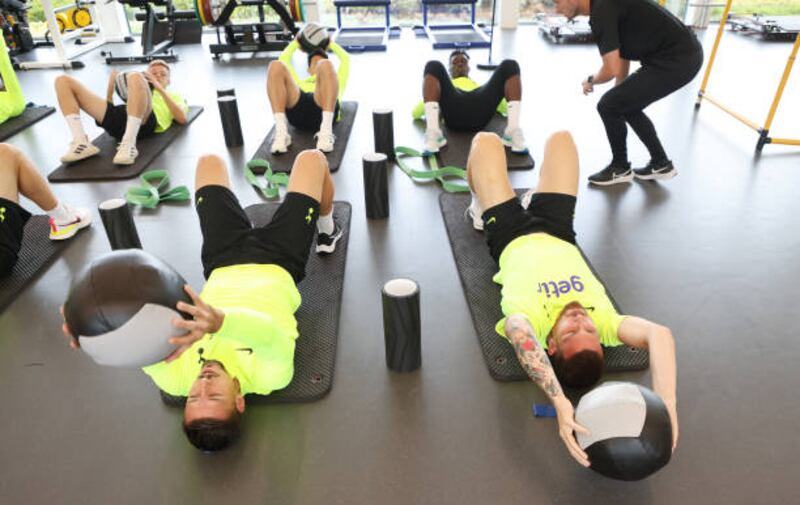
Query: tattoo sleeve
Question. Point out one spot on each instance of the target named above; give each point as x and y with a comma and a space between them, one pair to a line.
531, 355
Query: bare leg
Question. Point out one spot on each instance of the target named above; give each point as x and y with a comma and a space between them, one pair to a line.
487, 172
560, 167
311, 176
74, 97
211, 171
139, 96
431, 89
19, 176
513, 89
282, 91
327, 90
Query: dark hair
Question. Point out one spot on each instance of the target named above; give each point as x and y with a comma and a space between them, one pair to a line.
212, 434
581, 370
317, 52
458, 51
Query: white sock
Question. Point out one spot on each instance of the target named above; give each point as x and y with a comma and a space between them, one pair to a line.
475, 206
76, 128
327, 122
325, 223
281, 124
61, 214
131, 130
513, 115
432, 115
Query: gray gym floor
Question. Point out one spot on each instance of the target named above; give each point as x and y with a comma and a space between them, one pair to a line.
711, 253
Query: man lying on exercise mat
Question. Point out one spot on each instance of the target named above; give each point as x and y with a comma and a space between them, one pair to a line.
144, 114
557, 312
310, 104
465, 106
242, 336
18, 176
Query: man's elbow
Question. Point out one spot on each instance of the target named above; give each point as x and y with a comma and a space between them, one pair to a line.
661, 334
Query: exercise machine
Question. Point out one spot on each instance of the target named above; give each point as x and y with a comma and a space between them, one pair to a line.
364, 38
783, 28
560, 30
451, 36
261, 36
160, 31
14, 23
763, 131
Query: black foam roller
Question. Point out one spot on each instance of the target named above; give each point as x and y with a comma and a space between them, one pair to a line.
119, 225
401, 325
229, 115
376, 185
383, 131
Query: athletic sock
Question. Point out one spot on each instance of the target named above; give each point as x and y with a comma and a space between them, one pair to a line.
432, 115
325, 223
513, 115
76, 128
131, 130
281, 124
60, 214
475, 205
327, 122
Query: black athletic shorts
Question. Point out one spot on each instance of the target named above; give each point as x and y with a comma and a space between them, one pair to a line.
230, 239
116, 119
306, 115
12, 224
551, 213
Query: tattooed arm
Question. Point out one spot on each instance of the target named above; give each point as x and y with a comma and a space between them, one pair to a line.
536, 364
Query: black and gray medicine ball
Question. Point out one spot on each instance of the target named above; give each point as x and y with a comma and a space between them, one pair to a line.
314, 37
631, 433
121, 306
121, 86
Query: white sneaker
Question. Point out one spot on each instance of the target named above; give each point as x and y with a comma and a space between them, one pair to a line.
126, 154
79, 151
281, 142
526, 198
434, 140
325, 141
516, 141
474, 212
81, 219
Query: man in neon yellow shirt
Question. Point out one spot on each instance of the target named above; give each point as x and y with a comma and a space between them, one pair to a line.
241, 339
465, 106
310, 104
143, 114
557, 313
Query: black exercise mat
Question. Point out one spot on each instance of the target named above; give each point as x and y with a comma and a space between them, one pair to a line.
37, 252
456, 151
101, 167
302, 140
31, 114
476, 269
317, 317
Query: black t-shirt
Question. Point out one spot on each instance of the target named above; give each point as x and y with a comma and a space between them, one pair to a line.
641, 30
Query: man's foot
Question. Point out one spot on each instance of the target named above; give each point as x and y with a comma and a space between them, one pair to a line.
326, 243
281, 142
325, 141
126, 154
612, 174
474, 213
434, 140
516, 141
79, 151
81, 218
656, 170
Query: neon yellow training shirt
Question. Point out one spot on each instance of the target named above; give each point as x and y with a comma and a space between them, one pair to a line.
541, 275
310, 83
257, 339
464, 84
163, 115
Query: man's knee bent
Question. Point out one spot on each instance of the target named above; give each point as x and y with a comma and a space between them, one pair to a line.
311, 160
64, 81
277, 69
486, 142
8, 155
436, 69
325, 69
509, 68
211, 163
560, 137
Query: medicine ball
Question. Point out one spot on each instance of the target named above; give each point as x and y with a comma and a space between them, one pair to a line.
121, 306
121, 86
631, 432
314, 37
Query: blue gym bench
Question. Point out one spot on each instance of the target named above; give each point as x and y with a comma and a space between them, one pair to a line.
364, 38
452, 36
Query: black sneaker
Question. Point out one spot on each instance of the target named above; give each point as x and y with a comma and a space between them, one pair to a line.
327, 243
656, 170
612, 174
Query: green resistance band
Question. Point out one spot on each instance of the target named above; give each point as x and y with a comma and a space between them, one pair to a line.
270, 186
444, 174
154, 190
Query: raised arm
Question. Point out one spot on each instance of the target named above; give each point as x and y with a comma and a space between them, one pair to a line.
536, 364
658, 340
343, 72
286, 57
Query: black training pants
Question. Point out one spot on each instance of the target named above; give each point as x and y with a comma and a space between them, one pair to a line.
471, 110
624, 103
